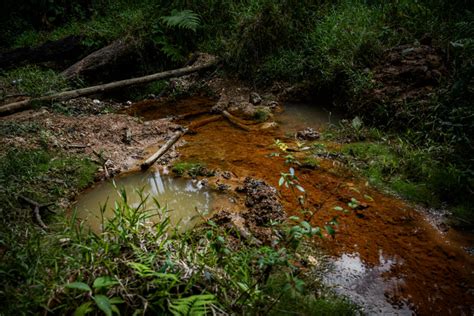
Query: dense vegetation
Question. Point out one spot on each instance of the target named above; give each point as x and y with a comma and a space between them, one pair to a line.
421, 148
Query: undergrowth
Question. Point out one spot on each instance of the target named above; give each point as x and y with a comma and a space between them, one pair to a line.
424, 174
139, 264
31, 81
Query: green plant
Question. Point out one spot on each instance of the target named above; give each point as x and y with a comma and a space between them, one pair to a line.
192, 169
310, 163
108, 305
32, 81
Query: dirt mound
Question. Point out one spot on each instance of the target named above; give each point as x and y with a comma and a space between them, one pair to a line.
262, 203
407, 74
263, 207
117, 140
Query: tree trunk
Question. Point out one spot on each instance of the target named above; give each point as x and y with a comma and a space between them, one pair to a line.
100, 59
66, 95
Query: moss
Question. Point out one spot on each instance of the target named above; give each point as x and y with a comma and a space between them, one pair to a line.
310, 163
193, 169
261, 115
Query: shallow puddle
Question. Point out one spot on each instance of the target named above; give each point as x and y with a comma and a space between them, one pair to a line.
181, 197
297, 116
368, 286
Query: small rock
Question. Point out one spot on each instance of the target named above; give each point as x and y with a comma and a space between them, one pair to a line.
308, 134
95, 101
269, 125
255, 98
226, 175
222, 187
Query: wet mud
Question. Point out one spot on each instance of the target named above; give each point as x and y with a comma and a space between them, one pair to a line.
408, 263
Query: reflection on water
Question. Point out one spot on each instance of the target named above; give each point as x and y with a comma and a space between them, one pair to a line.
297, 116
182, 196
368, 286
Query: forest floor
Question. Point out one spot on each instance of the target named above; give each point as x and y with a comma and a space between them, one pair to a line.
380, 229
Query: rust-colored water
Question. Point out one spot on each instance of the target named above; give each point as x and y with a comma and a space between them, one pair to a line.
419, 269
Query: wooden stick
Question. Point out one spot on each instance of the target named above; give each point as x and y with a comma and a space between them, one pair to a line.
22, 105
235, 121
38, 218
36, 210
151, 160
190, 114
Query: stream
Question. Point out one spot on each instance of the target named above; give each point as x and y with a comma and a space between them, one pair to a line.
387, 258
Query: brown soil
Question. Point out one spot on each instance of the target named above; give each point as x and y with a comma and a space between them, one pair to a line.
407, 74
93, 134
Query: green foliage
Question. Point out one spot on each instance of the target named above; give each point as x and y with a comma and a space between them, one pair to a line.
185, 19
65, 173
415, 173
192, 305
32, 81
12, 128
192, 169
310, 163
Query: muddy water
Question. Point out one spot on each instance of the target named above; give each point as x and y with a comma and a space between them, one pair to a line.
180, 196
386, 257
297, 116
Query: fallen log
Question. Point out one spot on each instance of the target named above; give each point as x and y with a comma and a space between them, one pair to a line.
151, 160
66, 95
101, 58
235, 121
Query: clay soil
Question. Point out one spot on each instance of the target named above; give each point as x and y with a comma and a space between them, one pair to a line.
436, 272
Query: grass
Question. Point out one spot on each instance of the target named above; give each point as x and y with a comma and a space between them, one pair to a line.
132, 266
32, 81
48, 175
415, 173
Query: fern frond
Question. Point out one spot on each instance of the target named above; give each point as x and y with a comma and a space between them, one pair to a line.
185, 19
192, 305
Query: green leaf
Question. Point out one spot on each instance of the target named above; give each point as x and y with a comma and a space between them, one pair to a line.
116, 300
306, 225
292, 171
79, 286
280, 182
103, 303
193, 305
105, 281
84, 309
185, 19
244, 287
300, 188
115, 310
330, 230
338, 208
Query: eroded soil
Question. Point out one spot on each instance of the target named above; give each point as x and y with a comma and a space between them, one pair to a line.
433, 272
